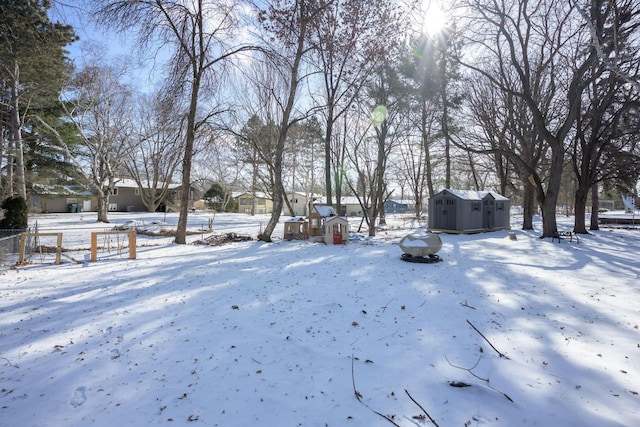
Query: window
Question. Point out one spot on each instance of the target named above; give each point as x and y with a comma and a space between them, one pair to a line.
136, 191
113, 192
261, 202
475, 206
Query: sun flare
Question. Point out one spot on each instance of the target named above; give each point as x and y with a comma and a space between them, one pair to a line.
433, 19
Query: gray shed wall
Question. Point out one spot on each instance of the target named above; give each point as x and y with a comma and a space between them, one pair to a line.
448, 211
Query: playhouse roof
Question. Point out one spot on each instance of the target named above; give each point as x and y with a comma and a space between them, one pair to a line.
337, 218
324, 210
295, 220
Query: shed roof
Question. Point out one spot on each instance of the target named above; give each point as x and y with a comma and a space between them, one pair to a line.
474, 195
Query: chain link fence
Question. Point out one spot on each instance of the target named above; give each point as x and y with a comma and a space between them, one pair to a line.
10, 247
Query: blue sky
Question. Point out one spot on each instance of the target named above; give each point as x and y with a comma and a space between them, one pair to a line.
76, 14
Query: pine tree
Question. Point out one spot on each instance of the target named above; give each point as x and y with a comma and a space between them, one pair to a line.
33, 65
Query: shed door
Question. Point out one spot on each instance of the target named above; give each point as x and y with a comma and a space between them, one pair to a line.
445, 214
488, 214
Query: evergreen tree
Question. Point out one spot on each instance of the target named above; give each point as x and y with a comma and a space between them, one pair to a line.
33, 65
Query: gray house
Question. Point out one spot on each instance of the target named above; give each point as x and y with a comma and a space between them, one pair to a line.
465, 211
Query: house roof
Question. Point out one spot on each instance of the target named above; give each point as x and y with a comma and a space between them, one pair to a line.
259, 195
130, 183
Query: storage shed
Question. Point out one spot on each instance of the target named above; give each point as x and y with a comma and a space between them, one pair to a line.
466, 211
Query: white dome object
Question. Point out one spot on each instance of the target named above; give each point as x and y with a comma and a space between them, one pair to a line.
420, 243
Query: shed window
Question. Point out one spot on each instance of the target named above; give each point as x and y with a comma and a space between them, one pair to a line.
475, 206
499, 206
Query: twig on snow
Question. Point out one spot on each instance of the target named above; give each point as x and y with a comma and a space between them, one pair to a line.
470, 370
359, 396
384, 307
466, 304
423, 410
488, 342
462, 384
9, 362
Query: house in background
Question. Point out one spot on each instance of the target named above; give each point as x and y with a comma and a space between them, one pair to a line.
351, 206
398, 206
260, 203
125, 197
60, 198
465, 211
300, 203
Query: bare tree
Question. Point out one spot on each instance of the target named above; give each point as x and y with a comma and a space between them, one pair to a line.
99, 107
541, 44
289, 22
500, 125
346, 44
155, 156
202, 36
601, 127
614, 37
376, 137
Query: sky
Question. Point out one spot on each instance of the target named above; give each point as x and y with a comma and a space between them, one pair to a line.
116, 45
503, 332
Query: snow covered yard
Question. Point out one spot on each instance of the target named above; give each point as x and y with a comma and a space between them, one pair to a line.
303, 334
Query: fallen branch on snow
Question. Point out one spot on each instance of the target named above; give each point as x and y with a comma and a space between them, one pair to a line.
488, 342
423, 410
359, 396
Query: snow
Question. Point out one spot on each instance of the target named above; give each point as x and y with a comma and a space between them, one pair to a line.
475, 195
325, 211
286, 333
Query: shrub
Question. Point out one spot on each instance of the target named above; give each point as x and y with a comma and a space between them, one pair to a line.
15, 213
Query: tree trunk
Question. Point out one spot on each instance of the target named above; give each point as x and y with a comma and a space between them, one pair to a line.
528, 206
103, 206
288, 203
549, 201
284, 127
580, 206
427, 152
327, 154
19, 186
181, 230
595, 208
